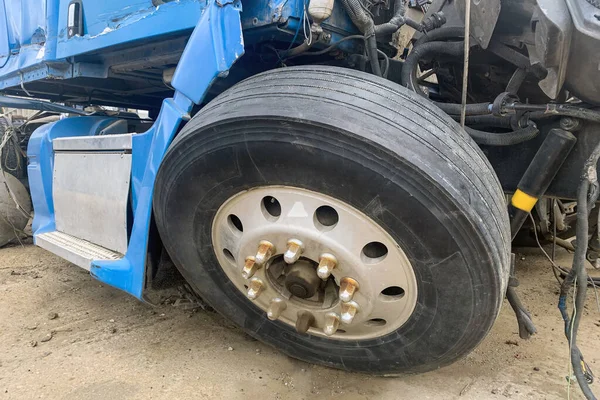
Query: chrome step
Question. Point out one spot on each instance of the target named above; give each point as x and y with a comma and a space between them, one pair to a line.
78, 251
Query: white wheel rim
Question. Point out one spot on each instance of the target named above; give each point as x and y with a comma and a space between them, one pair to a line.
387, 287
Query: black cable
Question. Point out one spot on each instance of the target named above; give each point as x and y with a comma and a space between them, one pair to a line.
503, 139
363, 20
588, 194
328, 49
386, 60
552, 110
372, 54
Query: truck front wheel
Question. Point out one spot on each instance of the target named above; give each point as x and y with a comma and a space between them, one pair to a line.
338, 217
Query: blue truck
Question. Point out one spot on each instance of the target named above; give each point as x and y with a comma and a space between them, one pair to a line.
339, 196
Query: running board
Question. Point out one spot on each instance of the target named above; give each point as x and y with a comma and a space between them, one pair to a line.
78, 251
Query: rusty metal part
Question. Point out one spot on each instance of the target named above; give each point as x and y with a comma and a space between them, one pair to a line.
332, 323
250, 267
276, 307
265, 251
348, 287
302, 280
349, 311
304, 321
255, 287
293, 251
327, 263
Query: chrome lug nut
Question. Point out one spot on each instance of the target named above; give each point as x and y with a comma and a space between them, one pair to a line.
304, 321
276, 307
265, 251
348, 287
294, 249
332, 323
349, 310
327, 263
250, 268
254, 288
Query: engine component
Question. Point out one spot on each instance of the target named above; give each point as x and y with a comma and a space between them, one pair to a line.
553, 30
320, 10
583, 72
567, 37
540, 173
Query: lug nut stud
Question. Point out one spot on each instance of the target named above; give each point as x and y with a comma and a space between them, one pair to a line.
250, 268
348, 287
304, 321
349, 310
276, 307
332, 323
294, 249
254, 288
265, 251
327, 263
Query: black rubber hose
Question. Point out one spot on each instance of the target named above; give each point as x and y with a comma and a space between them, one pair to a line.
446, 32
472, 109
364, 23
409, 68
486, 120
395, 22
503, 139
373, 57
551, 110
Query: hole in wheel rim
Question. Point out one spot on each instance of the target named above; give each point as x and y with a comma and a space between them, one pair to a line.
228, 255
326, 218
374, 252
376, 322
392, 293
235, 222
271, 208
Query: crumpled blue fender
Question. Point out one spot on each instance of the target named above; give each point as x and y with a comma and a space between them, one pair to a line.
214, 46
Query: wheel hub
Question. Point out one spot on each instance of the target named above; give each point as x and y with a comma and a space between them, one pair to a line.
302, 280
314, 262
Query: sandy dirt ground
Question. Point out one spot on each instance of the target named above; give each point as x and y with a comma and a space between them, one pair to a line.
64, 335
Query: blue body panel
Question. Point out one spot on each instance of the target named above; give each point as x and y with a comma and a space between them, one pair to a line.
129, 41
41, 163
218, 40
119, 60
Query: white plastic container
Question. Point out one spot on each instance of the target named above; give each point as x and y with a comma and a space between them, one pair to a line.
320, 10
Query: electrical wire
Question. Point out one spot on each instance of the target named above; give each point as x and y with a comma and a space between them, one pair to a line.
386, 59
301, 22
327, 49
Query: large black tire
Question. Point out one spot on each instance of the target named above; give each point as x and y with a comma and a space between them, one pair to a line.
378, 147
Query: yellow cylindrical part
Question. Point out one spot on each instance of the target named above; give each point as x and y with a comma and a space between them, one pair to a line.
523, 201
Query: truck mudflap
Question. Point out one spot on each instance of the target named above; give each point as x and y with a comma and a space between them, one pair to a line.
218, 42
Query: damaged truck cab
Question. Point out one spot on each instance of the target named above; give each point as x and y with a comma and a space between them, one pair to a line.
301, 164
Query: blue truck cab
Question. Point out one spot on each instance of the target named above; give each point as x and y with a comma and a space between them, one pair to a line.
300, 163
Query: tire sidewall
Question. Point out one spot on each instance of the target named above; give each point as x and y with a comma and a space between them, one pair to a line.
458, 286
